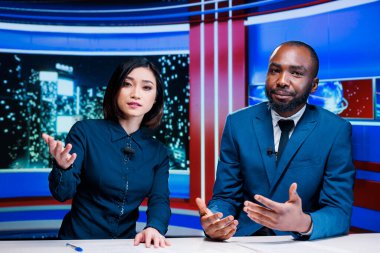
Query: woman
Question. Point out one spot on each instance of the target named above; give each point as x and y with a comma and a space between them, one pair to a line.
110, 166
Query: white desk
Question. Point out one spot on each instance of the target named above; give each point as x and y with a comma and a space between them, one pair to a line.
362, 243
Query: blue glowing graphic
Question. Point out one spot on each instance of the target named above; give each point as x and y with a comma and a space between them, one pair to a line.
329, 95
256, 94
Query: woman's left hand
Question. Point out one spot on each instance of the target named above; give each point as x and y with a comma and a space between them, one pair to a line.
151, 236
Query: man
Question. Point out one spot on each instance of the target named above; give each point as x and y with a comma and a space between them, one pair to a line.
279, 177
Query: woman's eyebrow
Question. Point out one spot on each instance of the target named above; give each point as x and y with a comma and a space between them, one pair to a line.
144, 81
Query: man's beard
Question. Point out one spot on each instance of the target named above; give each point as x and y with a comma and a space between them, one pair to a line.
296, 102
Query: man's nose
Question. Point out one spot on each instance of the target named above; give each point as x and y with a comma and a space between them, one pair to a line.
283, 79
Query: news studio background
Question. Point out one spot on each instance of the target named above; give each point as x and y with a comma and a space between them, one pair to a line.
49, 79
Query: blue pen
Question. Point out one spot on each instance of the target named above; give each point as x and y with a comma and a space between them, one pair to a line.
76, 248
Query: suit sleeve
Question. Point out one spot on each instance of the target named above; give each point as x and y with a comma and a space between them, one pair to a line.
336, 196
228, 195
63, 182
158, 213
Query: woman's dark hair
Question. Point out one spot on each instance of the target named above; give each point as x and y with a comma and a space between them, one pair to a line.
111, 110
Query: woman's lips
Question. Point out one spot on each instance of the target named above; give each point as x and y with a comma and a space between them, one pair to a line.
134, 104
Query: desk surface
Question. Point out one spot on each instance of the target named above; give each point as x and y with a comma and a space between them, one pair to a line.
362, 243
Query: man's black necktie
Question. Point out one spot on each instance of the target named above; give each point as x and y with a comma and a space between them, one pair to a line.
286, 126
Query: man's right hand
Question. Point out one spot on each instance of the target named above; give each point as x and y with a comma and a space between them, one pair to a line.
215, 227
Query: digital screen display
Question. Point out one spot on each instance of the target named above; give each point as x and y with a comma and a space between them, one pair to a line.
352, 99
65, 87
377, 98
360, 99
64, 123
49, 93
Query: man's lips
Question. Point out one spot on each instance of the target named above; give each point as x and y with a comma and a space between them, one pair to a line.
281, 94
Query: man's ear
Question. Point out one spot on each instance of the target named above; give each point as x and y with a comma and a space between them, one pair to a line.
314, 84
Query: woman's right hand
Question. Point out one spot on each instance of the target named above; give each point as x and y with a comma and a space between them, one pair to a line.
60, 154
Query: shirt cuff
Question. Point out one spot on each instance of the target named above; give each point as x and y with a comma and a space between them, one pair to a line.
308, 232
160, 228
305, 235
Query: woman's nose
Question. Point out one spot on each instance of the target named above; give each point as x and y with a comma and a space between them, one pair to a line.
135, 92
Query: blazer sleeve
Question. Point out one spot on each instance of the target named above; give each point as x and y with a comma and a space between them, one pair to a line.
63, 182
158, 212
336, 196
228, 195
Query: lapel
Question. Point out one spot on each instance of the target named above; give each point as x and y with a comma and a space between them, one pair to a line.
302, 130
262, 125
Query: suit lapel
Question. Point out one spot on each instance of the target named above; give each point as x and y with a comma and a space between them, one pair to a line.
262, 125
302, 130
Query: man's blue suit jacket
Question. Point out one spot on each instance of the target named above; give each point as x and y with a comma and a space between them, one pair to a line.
318, 158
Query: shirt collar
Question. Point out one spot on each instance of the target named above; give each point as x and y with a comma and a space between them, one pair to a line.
118, 132
295, 117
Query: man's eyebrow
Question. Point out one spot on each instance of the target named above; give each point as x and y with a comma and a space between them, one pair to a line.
292, 67
300, 68
273, 64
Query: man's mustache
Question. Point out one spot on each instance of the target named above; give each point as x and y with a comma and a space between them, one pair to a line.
283, 92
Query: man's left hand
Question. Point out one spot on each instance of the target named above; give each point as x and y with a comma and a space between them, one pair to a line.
286, 216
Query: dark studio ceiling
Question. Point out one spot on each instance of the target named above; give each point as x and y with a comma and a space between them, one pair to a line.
119, 13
